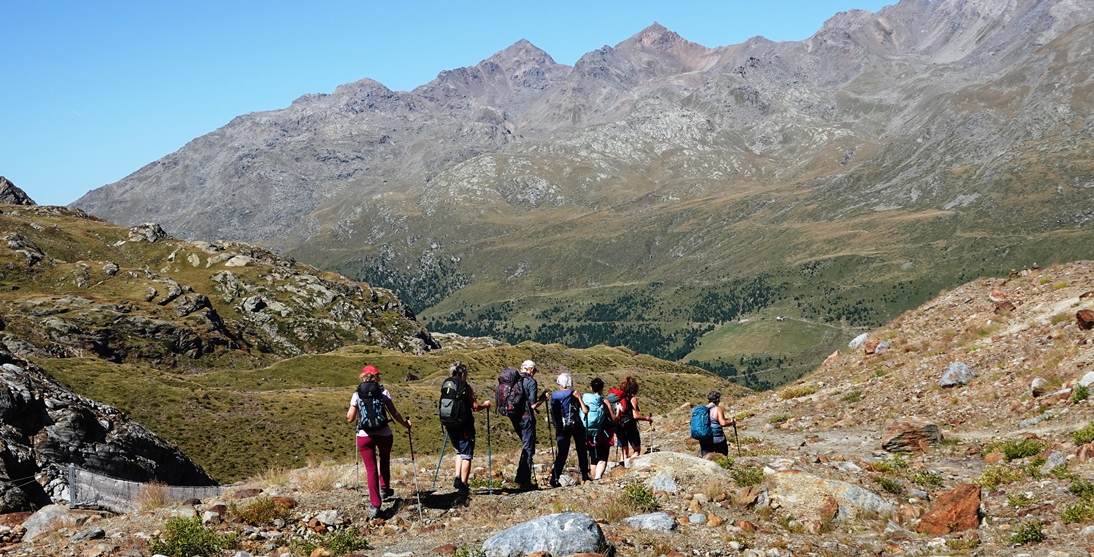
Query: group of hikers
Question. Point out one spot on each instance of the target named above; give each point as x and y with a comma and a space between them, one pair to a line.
591, 422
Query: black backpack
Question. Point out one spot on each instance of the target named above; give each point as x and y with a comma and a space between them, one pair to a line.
509, 397
371, 409
453, 409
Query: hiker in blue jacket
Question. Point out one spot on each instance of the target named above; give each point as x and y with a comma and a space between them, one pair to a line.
565, 414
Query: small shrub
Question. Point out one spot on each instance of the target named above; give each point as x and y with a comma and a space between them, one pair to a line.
723, 461
1083, 489
890, 485
1034, 467
1019, 500
1080, 393
468, 552
852, 397
1060, 284
1014, 450
747, 476
640, 497
927, 479
780, 418
1084, 435
883, 466
1028, 532
1080, 511
971, 542
339, 542
797, 391
745, 414
995, 476
261, 511
187, 537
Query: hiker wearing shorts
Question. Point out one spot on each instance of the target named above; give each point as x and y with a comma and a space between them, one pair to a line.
564, 405
376, 445
600, 444
717, 443
463, 437
627, 435
525, 426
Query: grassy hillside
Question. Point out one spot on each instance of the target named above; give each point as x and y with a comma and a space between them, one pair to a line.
239, 422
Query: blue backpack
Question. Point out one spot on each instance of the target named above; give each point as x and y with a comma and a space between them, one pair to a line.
700, 423
596, 418
565, 411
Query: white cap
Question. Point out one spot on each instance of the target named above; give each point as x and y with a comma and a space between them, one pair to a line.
528, 364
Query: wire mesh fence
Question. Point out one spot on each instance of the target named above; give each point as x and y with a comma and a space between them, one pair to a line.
89, 489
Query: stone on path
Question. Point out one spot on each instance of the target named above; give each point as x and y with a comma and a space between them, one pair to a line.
909, 435
958, 373
659, 522
558, 534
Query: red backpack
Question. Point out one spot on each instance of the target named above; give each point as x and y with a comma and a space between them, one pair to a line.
621, 404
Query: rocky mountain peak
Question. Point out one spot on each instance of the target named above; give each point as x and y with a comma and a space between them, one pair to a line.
12, 195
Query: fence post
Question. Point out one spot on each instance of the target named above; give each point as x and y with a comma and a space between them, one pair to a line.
71, 485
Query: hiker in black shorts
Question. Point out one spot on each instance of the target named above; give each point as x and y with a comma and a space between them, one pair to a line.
463, 435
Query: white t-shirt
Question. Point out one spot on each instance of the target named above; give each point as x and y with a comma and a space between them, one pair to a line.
386, 432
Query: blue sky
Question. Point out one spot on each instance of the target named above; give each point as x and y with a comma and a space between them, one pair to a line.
92, 91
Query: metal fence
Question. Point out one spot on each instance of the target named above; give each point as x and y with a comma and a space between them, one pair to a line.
88, 489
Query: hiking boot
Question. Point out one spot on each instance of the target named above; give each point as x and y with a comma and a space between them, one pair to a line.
457, 483
387, 493
527, 486
373, 512
554, 482
464, 490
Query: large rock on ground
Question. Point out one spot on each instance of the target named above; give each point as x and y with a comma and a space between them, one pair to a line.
557, 534
44, 427
958, 373
909, 435
814, 500
953, 511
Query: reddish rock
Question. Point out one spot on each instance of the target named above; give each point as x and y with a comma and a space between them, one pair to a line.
715, 521
540, 554
1004, 306
219, 509
994, 458
747, 496
14, 519
1085, 452
997, 295
870, 346
447, 549
831, 358
1085, 319
953, 511
745, 525
288, 502
909, 434
245, 493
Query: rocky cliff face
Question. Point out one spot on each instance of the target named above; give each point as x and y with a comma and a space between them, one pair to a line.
44, 427
76, 286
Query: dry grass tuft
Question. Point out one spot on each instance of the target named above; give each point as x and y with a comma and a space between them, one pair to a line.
151, 496
318, 476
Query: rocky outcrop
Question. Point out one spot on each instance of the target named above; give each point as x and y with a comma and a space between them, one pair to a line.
12, 195
138, 295
45, 427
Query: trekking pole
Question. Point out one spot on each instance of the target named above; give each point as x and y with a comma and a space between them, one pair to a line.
356, 461
414, 466
489, 461
650, 444
439, 459
737, 439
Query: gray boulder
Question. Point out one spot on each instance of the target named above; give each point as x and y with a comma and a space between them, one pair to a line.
658, 522
10, 194
557, 534
858, 341
1087, 379
958, 373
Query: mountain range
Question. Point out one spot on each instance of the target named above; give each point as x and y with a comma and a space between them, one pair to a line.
659, 192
